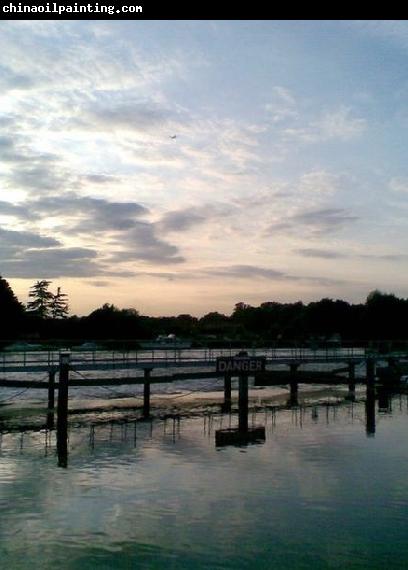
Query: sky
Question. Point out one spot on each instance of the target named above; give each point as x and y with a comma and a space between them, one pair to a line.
185, 166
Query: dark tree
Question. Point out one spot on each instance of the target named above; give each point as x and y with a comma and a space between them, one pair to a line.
59, 305
41, 299
214, 322
113, 323
11, 311
385, 316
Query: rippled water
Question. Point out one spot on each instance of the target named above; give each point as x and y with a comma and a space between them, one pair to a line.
317, 493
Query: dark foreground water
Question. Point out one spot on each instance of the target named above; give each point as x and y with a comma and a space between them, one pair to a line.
318, 493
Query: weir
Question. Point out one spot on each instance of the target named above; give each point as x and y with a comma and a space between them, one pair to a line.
147, 370
134, 368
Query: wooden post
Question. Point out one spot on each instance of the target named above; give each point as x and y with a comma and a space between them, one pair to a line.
293, 368
62, 410
370, 412
293, 399
370, 397
243, 404
352, 383
146, 393
370, 372
51, 383
227, 393
384, 401
51, 399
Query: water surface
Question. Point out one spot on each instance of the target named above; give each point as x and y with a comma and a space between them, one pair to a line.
318, 493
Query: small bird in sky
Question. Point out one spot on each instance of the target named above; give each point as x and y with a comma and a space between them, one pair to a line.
173, 136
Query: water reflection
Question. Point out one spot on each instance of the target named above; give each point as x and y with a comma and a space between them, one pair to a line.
229, 425
153, 493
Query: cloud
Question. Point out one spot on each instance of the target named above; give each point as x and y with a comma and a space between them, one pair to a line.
399, 184
79, 59
56, 262
395, 31
10, 80
9, 151
115, 227
338, 124
127, 114
130, 238
282, 105
100, 283
145, 246
331, 254
246, 272
25, 239
89, 214
38, 177
28, 169
184, 219
181, 220
100, 179
317, 183
318, 222
256, 272
18, 211
320, 253
385, 256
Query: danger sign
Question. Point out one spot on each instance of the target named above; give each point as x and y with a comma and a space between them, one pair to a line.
240, 364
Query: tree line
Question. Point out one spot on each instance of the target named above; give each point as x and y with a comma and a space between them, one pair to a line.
46, 316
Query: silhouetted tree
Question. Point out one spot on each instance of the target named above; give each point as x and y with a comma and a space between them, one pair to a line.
111, 322
58, 305
385, 315
215, 323
11, 311
326, 317
41, 299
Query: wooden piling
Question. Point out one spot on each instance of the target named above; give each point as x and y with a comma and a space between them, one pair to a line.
370, 372
62, 410
352, 382
293, 397
243, 403
51, 388
293, 384
370, 397
146, 393
227, 392
51, 399
370, 412
293, 368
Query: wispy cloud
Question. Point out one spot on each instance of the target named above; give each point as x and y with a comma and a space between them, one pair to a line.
282, 105
340, 123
